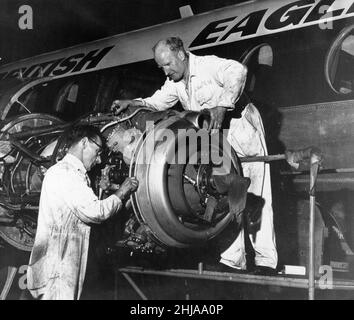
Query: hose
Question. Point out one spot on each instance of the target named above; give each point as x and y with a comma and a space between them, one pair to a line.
124, 119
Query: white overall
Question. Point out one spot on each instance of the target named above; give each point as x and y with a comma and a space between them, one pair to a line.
213, 82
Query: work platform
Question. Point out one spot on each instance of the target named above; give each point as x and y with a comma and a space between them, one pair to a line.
325, 288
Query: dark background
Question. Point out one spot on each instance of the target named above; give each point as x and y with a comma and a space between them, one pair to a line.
62, 23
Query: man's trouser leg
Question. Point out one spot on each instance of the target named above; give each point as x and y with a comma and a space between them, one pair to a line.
246, 136
56, 289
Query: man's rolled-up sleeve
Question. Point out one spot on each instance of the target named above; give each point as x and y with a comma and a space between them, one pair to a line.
164, 98
86, 205
231, 75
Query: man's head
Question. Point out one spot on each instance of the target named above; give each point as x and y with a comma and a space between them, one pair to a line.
86, 143
170, 56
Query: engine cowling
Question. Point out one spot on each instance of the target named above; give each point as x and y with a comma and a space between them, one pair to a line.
178, 201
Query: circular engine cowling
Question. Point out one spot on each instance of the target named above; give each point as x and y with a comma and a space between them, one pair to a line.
175, 162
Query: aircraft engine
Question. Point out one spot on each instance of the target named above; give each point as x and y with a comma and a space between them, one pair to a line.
180, 166
190, 182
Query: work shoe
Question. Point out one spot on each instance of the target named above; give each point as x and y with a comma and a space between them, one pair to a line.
264, 271
220, 267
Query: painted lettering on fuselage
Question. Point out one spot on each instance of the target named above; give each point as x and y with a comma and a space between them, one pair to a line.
293, 15
74, 63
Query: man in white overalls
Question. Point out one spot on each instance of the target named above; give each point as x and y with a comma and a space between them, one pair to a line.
216, 84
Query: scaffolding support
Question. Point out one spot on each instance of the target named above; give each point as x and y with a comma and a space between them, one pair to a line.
296, 282
315, 161
134, 286
310, 283
11, 273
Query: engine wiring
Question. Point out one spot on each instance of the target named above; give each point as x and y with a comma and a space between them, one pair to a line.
124, 119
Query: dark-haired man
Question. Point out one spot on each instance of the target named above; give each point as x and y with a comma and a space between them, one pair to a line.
67, 208
216, 84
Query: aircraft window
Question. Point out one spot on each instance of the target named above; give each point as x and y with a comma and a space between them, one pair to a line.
67, 94
348, 45
265, 55
262, 54
64, 98
24, 104
75, 98
72, 95
339, 67
259, 61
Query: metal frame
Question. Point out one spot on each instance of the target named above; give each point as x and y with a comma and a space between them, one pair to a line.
292, 282
279, 281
